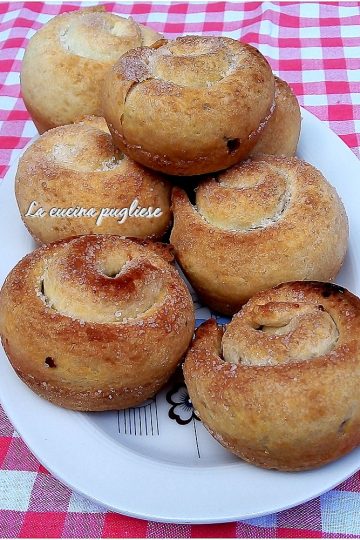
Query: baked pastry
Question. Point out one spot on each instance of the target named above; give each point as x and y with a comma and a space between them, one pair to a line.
95, 322
281, 134
190, 106
66, 60
279, 386
260, 223
85, 185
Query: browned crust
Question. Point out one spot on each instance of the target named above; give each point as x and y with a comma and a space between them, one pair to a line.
229, 265
281, 134
107, 399
59, 85
291, 416
42, 124
77, 165
62, 339
217, 122
185, 167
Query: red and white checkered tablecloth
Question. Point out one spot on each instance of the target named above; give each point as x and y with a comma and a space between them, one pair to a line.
313, 46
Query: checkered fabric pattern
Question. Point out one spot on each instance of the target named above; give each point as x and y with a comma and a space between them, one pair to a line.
313, 46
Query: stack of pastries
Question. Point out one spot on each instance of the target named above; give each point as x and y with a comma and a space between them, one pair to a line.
198, 137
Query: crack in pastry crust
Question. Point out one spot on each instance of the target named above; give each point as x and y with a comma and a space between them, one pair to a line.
278, 386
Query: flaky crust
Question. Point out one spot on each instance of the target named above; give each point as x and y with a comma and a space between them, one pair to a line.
78, 166
281, 134
96, 322
190, 106
280, 387
256, 225
66, 60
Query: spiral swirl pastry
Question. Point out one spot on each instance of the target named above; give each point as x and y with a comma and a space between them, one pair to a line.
258, 224
190, 106
85, 185
279, 386
96, 322
280, 136
66, 60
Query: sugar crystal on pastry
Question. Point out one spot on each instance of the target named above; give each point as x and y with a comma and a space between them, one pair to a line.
65, 63
190, 106
61, 302
279, 383
259, 223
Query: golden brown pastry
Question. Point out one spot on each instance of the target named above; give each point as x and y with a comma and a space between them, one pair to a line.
66, 60
258, 224
96, 322
76, 167
190, 106
281, 134
279, 386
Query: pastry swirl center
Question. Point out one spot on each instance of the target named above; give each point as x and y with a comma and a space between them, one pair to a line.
102, 287
193, 64
278, 333
100, 36
251, 197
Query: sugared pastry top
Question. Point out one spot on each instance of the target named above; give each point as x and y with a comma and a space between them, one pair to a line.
66, 60
82, 184
96, 322
190, 106
279, 385
260, 223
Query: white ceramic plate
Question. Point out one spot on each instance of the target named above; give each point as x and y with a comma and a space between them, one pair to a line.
157, 461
